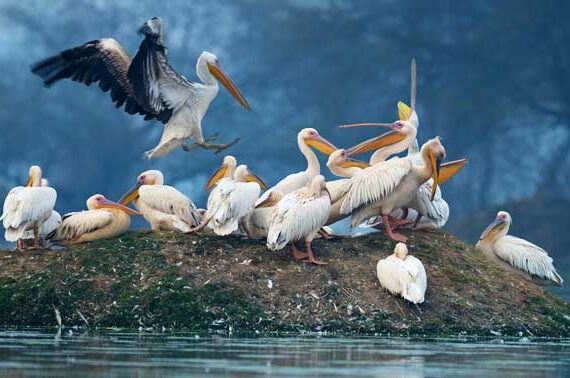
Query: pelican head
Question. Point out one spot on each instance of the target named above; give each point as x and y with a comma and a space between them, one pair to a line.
244, 175
434, 152
153, 28
208, 68
400, 131
227, 169
98, 201
270, 199
340, 159
151, 177
34, 176
498, 228
311, 137
401, 251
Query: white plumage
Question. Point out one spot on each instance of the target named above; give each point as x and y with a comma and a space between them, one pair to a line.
402, 274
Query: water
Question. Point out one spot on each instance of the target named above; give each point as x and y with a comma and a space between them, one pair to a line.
40, 353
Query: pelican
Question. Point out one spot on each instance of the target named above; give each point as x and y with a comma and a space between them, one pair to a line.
164, 207
47, 227
226, 170
27, 208
515, 254
384, 187
231, 200
402, 274
299, 215
147, 84
104, 219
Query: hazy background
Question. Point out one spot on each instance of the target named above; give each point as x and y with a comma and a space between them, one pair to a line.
493, 82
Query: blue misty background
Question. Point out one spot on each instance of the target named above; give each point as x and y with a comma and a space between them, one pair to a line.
493, 82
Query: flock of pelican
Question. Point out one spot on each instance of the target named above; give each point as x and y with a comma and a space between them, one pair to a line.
388, 193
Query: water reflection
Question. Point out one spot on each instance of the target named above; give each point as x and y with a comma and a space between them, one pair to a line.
172, 355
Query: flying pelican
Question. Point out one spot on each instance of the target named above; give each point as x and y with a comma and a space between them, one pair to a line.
164, 207
147, 84
384, 187
402, 274
47, 227
231, 200
299, 215
104, 219
27, 208
515, 254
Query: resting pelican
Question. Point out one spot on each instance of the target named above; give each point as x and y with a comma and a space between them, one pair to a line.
164, 207
299, 215
226, 170
384, 187
147, 84
231, 200
402, 274
515, 254
104, 219
27, 208
47, 227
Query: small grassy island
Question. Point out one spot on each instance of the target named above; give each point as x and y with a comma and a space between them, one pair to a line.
208, 283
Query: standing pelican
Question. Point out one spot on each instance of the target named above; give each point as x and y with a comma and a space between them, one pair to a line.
164, 207
48, 226
104, 219
515, 254
299, 215
147, 84
402, 274
27, 208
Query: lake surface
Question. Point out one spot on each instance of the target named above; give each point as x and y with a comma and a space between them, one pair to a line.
42, 353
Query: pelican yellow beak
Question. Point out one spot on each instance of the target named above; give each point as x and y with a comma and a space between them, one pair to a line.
267, 202
320, 144
254, 178
217, 176
404, 111
493, 226
449, 169
353, 163
131, 195
30, 181
114, 205
216, 70
384, 140
435, 160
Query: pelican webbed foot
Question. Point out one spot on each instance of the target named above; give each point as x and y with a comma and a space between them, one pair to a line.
391, 234
298, 255
207, 145
311, 258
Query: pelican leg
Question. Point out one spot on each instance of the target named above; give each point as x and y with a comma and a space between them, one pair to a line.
298, 255
391, 234
19, 244
199, 227
417, 220
210, 146
395, 222
404, 213
37, 244
327, 235
311, 259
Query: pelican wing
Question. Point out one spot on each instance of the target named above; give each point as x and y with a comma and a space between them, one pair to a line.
414, 281
436, 211
375, 183
338, 188
229, 202
168, 200
24, 205
76, 224
527, 257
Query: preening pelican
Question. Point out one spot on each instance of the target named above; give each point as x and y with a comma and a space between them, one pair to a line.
515, 254
390, 185
164, 207
27, 208
299, 215
104, 219
231, 200
47, 227
402, 274
147, 84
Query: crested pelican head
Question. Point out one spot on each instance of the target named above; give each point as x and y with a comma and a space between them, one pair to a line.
209, 70
433, 152
227, 169
34, 176
312, 138
498, 228
401, 251
98, 201
150, 177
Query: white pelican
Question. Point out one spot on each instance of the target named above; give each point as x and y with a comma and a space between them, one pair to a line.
104, 219
515, 254
226, 170
231, 200
147, 84
164, 207
390, 185
27, 208
47, 227
299, 215
402, 274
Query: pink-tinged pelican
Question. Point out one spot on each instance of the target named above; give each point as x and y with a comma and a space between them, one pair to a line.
517, 255
402, 274
231, 200
297, 216
104, 219
27, 208
147, 84
163, 207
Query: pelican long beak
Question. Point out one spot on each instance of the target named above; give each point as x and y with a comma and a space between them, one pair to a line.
347, 126
404, 111
353, 163
384, 140
254, 178
449, 169
131, 195
268, 201
436, 164
30, 181
114, 205
216, 70
496, 223
217, 176
321, 144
